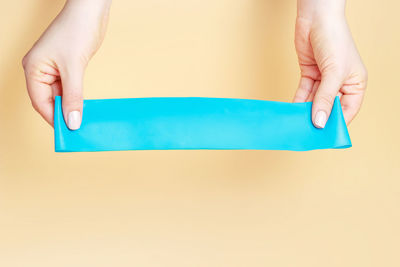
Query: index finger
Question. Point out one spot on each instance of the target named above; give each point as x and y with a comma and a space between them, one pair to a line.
41, 96
351, 104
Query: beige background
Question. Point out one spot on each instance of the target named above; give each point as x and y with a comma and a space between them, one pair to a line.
200, 208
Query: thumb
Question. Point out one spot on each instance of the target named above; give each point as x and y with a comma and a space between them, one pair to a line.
72, 98
324, 99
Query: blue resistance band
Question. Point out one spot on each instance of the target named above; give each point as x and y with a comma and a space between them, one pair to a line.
198, 123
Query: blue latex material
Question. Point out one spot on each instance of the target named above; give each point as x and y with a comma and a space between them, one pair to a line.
198, 123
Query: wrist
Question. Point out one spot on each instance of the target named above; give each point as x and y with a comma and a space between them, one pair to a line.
95, 2
321, 9
91, 6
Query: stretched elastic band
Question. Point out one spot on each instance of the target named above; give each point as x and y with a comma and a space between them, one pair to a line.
198, 123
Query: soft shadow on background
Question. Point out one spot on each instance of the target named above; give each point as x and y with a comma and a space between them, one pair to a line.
200, 208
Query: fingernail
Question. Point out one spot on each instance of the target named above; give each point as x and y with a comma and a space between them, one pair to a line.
320, 119
74, 120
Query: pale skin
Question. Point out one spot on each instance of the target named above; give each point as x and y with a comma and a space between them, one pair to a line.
328, 58
329, 61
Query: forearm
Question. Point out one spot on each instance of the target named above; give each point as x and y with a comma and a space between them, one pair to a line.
93, 9
329, 62
56, 63
311, 9
94, 4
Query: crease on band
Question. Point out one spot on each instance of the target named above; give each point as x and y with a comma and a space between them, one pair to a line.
164, 123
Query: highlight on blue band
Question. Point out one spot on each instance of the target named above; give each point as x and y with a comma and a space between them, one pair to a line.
164, 123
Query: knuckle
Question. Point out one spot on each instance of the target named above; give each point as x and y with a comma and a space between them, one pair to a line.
73, 98
73, 95
331, 68
28, 64
326, 99
333, 75
73, 65
26, 60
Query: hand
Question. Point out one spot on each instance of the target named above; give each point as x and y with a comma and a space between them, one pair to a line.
56, 63
329, 61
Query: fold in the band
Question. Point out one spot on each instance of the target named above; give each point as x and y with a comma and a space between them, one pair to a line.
198, 123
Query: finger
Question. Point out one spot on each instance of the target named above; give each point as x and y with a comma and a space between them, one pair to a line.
351, 105
57, 89
41, 98
313, 91
72, 99
39, 92
303, 90
324, 98
48, 78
